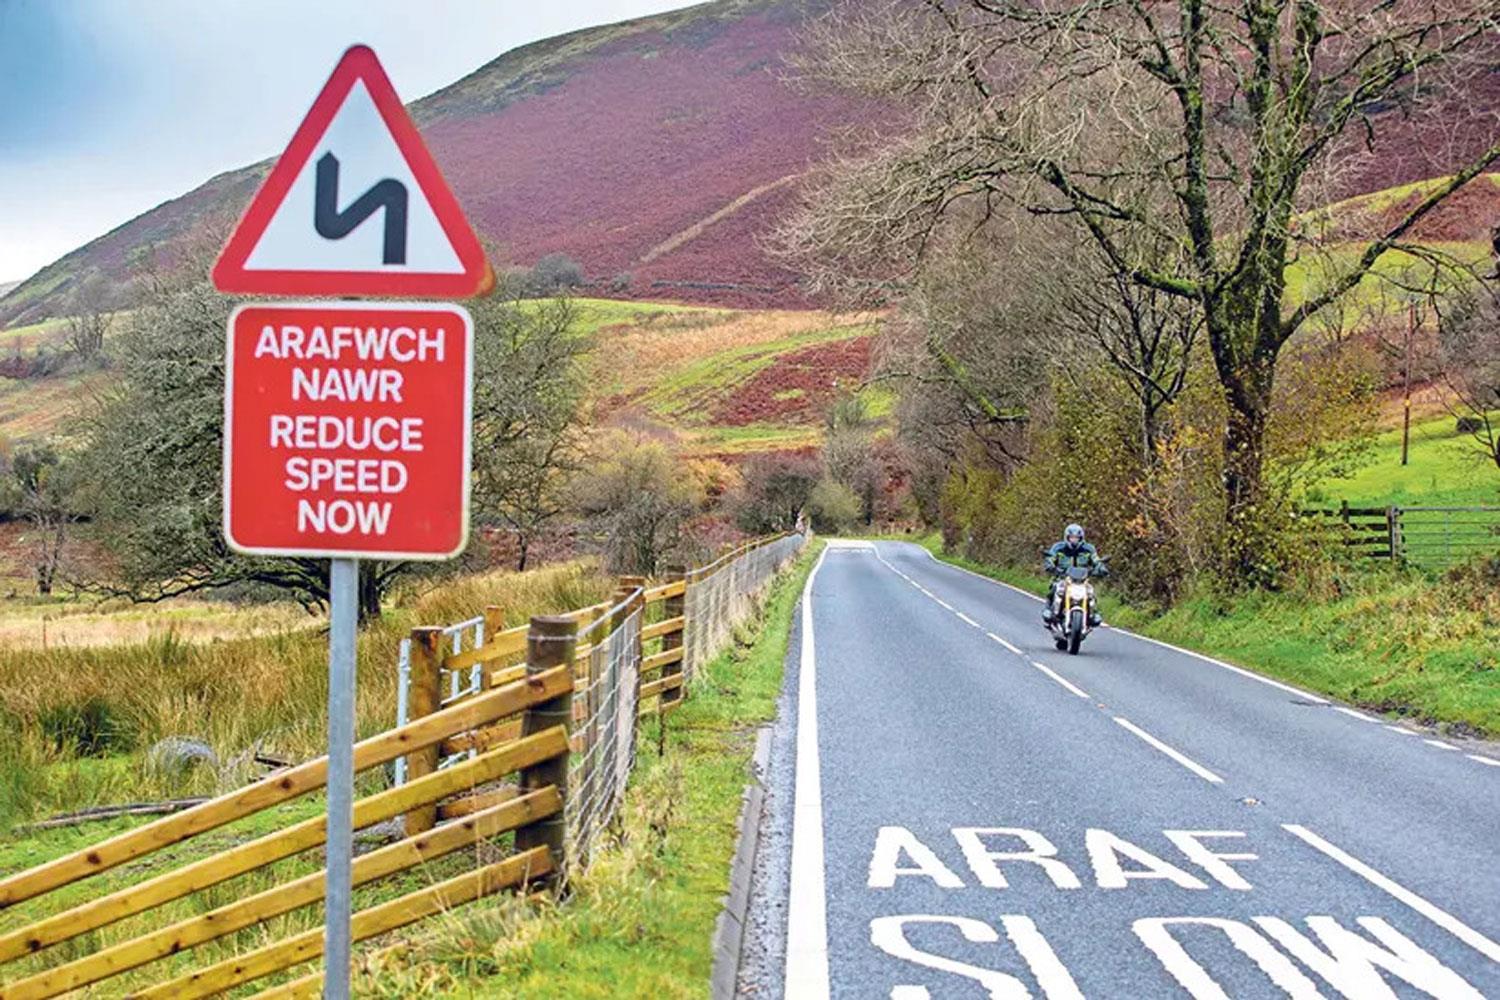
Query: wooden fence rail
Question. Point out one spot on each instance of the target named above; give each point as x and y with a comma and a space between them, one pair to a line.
527, 758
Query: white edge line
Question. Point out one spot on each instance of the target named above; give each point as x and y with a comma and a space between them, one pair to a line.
1492, 762
1442, 918
1059, 678
1316, 699
807, 911
1440, 744
1401, 731
1362, 717
1186, 762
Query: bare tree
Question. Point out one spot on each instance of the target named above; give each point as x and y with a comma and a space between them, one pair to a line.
1469, 339
1143, 335
88, 320
44, 485
528, 413
1232, 114
639, 498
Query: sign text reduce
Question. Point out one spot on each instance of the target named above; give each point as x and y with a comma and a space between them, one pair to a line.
346, 430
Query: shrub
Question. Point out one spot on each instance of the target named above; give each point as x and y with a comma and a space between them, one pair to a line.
775, 490
834, 507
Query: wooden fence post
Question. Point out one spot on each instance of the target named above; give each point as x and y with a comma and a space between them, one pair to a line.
552, 642
426, 693
674, 607
494, 624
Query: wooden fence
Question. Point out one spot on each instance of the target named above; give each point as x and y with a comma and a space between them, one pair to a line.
505, 784
1416, 536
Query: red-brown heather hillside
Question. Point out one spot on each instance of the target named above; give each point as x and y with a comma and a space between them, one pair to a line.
659, 148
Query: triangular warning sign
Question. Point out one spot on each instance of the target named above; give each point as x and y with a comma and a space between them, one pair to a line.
355, 206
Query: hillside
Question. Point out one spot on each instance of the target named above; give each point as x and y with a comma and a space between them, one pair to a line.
657, 148
656, 152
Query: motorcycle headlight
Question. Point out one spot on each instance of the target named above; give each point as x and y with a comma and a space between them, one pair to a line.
1078, 591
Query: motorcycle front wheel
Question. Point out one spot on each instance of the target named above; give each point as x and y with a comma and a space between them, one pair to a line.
1075, 632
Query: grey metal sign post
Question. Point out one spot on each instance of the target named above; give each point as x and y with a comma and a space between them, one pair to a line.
343, 591
276, 508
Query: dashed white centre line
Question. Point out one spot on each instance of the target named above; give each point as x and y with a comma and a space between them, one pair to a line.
1185, 761
1442, 918
968, 621
1012, 648
1060, 679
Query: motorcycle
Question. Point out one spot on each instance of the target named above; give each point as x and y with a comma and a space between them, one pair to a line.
1075, 613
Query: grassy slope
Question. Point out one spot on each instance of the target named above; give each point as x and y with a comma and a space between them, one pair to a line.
640, 921
1444, 468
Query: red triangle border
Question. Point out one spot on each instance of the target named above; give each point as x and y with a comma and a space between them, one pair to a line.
357, 64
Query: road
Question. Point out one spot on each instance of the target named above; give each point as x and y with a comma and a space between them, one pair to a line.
966, 812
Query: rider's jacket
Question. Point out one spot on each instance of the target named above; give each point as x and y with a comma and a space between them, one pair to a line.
1062, 556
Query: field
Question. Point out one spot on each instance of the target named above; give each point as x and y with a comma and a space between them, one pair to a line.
1444, 469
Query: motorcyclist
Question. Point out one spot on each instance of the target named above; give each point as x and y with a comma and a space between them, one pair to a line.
1072, 551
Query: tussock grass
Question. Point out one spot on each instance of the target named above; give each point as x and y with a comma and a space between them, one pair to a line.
67, 711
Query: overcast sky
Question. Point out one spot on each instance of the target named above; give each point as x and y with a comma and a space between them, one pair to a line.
109, 107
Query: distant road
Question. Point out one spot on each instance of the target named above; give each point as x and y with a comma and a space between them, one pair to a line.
967, 812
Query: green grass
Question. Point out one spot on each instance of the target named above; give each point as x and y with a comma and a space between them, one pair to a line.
1445, 468
640, 921
750, 438
1402, 644
596, 314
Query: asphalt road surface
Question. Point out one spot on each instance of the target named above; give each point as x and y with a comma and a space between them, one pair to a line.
971, 813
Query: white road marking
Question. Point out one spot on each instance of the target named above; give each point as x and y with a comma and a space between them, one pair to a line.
1440, 744
1492, 762
1075, 689
1305, 695
1401, 731
1362, 717
1012, 648
1186, 762
807, 912
968, 621
1442, 918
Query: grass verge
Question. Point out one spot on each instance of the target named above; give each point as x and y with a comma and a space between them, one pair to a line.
1401, 644
639, 922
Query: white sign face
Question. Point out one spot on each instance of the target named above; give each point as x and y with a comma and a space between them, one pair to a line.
365, 161
355, 206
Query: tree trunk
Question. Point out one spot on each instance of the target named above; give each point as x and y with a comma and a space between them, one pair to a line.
523, 546
1247, 389
370, 591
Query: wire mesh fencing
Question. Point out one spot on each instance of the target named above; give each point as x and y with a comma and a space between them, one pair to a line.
605, 695
723, 595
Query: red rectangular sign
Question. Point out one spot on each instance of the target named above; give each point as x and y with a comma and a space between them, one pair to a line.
346, 430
